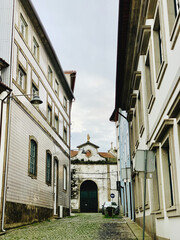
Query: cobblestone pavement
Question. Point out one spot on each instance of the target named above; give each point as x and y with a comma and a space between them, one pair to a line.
84, 226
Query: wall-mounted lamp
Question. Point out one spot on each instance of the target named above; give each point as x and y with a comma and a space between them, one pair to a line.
35, 100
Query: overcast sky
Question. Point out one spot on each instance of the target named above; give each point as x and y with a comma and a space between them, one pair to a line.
84, 36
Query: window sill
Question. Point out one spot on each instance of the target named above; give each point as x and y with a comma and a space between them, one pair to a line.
158, 214
32, 176
48, 184
173, 211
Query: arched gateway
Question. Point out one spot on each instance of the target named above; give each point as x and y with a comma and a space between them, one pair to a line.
88, 197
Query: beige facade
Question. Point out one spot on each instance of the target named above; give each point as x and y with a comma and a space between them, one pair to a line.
37, 182
148, 88
93, 175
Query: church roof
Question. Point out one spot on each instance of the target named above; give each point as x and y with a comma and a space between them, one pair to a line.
87, 143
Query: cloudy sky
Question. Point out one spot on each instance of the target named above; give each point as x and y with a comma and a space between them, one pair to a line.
84, 36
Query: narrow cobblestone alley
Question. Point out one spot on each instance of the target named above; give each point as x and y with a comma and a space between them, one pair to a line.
78, 227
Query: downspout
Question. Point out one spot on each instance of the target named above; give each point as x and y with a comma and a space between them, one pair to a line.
6, 169
70, 107
2, 113
8, 124
145, 174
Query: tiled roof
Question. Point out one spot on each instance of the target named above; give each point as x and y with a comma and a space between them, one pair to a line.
106, 155
73, 153
69, 71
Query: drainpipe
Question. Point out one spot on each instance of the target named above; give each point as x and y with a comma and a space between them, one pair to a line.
9, 120
6, 168
2, 113
145, 173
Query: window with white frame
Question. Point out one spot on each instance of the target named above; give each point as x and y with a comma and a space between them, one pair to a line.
21, 78
50, 74
65, 178
167, 161
56, 86
159, 47
49, 114
65, 103
56, 123
173, 7
149, 82
33, 147
35, 48
35, 91
176, 7
23, 27
65, 134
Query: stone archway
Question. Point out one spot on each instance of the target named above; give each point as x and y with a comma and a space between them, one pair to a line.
88, 197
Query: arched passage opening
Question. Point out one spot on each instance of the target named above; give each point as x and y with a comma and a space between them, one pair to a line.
88, 197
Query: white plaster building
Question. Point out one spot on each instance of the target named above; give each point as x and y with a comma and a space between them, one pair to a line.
94, 176
148, 88
35, 177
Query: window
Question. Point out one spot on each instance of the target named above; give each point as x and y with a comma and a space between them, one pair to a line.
35, 49
49, 115
140, 112
136, 129
56, 87
149, 83
56, 123
159, 46
158, 42
49, 74
34, 90
176, 7
23, 27
33, 158
65, 178
65, 103
168, 181
65, 134
21, 78
173, 7
48, 167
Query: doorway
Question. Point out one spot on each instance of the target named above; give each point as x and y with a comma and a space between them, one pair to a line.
88, 197
55, 182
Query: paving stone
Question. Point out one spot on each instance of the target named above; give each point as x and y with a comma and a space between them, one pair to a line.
85, 226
